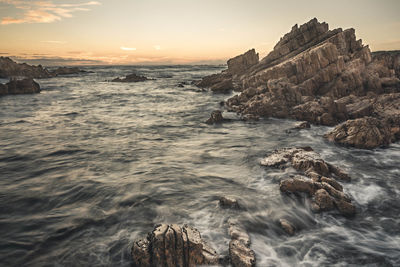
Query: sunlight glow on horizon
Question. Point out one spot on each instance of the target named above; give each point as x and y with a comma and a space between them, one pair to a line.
177, 31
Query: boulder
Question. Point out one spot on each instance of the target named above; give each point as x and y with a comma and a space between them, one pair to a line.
365, 133
172, 245
287, 226
302, 125
216, 117
24, 86
228, 202
131, 78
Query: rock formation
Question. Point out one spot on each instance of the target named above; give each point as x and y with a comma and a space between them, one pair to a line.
240, 253
24, 86
172, 245
10, 69
67, 71
131, 78
317, 178
317, 75
215, 117
228, 202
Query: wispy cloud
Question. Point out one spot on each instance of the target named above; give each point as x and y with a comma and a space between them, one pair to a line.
128, 48
54, 42
43, 11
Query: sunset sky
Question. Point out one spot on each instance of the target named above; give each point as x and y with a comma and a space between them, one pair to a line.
176, 31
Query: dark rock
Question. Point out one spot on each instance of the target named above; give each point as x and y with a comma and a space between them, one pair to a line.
24, 86
181, 85
365, 133
228, 202
240, 253
302, 125
172, 245
131, 78
323, 200
216, 117
67, 71
10, 69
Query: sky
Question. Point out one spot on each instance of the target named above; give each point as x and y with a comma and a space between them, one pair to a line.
73, 32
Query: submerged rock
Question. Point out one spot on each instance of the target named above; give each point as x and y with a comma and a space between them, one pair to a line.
228, 202
287, 226
302, 125
172, 245
131, 78
318, 181
240, 253
24, 86
365, 132
216, 117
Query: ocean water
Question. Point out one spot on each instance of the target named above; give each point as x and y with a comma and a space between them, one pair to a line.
87, 166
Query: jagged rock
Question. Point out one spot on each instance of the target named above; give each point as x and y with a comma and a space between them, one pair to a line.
317, 75
287, 226
302, 125
131, 78
172, 245
24, 86
229, 202
240, 253
241, 63
216, 117
365, 132
319, 182
10, 69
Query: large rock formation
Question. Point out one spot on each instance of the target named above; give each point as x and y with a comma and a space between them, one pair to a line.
9, 69
67, 71
240, 253
317, 75
24, 86
317, 178
172, 245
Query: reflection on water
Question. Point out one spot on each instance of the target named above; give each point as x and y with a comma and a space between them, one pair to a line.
87, 166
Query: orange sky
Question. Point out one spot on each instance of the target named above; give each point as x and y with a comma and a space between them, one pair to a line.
176, 31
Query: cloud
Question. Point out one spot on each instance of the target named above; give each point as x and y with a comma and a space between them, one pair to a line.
128, 48
43, 11
54, 42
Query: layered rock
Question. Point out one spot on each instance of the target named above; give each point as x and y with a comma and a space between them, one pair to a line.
24, 86
317, 178
317, 75
131, 78
172, 245
9, 69
240, 253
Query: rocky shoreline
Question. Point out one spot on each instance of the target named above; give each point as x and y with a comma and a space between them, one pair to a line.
322, 76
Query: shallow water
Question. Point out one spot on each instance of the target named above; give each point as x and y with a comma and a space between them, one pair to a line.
87, 166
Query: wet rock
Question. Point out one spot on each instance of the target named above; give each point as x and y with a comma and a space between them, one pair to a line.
216, 117
240, 252
24, 86
287, 226
365, 133
131, 78
323, 200
172, 245
67, 71
302, 125
10, 69
228, 202
181, 85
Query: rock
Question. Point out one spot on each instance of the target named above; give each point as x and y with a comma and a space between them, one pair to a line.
365, 133
228, 202
240, 64
302, 125
11, 69
216, 117
172, 245
240, 253
313, 74
131, 78
181, 85
24, 86
319, 181
287, 226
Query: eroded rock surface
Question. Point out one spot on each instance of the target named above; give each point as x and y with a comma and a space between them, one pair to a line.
9, 69
317, 75
172, 245
317, 179
24, 86
240, 253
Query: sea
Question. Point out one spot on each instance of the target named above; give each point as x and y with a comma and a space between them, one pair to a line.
87, 166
